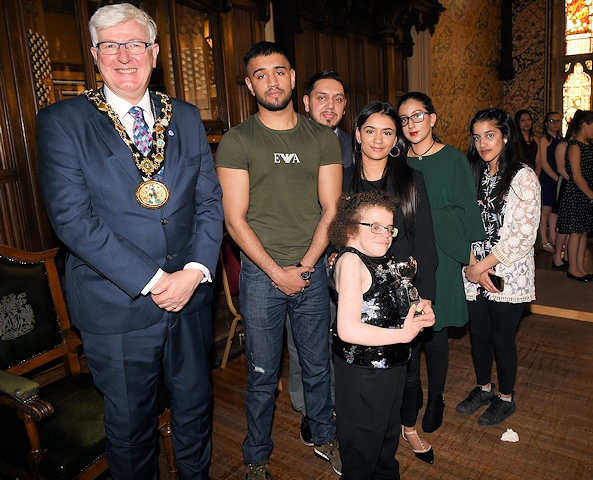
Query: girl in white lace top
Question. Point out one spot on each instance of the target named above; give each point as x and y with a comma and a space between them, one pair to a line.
500, 279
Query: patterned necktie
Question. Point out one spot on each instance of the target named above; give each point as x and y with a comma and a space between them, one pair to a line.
142, 136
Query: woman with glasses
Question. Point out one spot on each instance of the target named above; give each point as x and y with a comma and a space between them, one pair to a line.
457, 223
371, 338
548, 177
380, 165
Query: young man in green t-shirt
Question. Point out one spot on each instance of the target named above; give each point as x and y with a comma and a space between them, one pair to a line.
281, 176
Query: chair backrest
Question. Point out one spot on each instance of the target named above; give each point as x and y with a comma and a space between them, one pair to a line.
33, 313
231, 263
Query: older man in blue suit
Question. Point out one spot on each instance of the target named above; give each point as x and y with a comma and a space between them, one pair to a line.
130, 189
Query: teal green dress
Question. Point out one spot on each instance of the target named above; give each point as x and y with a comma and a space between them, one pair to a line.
457, 223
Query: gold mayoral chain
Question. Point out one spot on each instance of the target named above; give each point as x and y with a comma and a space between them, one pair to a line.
150, 193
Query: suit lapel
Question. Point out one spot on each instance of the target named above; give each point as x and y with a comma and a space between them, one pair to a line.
106, 132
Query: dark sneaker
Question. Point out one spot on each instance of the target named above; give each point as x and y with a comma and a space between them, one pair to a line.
306, 436
258, 471
498, 411
477, 398
330, 451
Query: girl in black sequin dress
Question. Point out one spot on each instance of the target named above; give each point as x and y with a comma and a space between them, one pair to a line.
371, 346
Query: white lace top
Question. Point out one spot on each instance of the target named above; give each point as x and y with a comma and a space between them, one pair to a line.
514, 249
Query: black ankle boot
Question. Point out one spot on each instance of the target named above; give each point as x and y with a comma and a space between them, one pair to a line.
433, 416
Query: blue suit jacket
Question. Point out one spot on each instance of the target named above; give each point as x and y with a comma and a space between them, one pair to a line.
88, 179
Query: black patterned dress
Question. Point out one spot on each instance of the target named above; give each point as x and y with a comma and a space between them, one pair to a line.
575, 212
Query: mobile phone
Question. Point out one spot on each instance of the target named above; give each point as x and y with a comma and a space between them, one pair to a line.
497, 281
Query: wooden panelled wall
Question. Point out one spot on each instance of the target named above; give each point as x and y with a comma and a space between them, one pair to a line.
365, 42
46, 58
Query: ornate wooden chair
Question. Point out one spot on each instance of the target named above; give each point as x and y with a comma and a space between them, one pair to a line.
50, 411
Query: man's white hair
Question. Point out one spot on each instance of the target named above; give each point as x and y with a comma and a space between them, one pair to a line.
112, 15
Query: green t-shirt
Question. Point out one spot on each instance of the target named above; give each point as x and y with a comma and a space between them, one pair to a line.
283, 168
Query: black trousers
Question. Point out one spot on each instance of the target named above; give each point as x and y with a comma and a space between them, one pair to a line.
368, 402
493, 329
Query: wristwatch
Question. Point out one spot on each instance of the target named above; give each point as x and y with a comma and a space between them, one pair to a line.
304, 275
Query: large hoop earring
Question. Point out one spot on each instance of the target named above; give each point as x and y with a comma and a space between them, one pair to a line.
356, 144
397, 154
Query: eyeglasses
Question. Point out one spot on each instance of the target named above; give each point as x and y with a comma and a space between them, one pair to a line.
415, 117
555, 120
133, 48
378, 228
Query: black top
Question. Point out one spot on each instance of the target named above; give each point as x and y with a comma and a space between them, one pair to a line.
379, 308
420, 244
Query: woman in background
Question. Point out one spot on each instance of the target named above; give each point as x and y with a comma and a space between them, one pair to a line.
560, 259
529, 142
457, 223
576, 205
509, 200
548, 177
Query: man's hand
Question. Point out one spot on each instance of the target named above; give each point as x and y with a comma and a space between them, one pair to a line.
174, 290
291, 282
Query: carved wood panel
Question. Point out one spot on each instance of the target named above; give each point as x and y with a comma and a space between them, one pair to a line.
22, 216
242, 27
365, 41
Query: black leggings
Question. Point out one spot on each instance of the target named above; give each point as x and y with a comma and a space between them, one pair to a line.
436, 348
493, 328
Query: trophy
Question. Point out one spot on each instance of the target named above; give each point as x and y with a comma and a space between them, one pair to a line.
406, 294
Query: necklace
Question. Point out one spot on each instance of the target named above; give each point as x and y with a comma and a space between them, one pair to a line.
150, 164
151, 193
422, 154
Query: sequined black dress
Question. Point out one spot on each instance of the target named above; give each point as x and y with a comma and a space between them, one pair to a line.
379, 308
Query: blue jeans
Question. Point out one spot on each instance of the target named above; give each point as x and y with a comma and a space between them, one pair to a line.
295, 379
264, 310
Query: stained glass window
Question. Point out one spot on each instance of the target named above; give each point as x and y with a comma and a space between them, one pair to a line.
576, 90
578, 26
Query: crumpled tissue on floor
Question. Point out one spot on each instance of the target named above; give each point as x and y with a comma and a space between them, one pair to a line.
510, 436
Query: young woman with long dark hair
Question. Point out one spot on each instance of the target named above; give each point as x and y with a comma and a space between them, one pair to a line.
500, 279
380, 165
